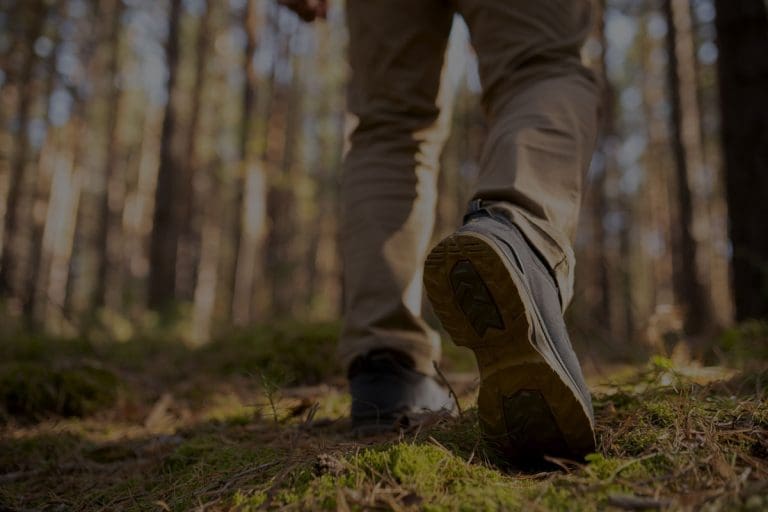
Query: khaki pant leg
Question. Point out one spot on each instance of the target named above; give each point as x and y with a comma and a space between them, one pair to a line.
542, 104
396, 51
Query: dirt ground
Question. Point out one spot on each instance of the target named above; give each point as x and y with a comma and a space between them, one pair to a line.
259, 422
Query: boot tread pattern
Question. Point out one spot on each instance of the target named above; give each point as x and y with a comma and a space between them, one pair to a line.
474, 299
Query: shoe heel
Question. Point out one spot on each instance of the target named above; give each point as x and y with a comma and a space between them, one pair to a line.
473, 294
525, 408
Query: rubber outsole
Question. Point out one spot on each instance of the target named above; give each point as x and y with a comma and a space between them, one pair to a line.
525, 407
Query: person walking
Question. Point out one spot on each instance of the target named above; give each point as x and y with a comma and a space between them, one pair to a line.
501, 283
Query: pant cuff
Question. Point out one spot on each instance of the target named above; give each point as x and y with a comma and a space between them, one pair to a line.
554, 247
424, 352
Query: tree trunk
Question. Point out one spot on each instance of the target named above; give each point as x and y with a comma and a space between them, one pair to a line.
742, 32
13, 224
208, 263
658, 212
689, 290
244, 250
189, 244
607, 136
166, 225
284, 204
42, 189
59, 234
250, 226
108, 231
138, 224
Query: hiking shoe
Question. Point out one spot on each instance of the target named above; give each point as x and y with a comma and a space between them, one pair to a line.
388, 393
494, 295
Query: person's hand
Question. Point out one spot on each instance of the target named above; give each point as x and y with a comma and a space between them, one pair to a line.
308, 10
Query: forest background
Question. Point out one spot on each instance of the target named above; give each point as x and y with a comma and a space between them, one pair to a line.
184, 159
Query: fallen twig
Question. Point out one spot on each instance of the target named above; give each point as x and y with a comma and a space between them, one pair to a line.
450, 388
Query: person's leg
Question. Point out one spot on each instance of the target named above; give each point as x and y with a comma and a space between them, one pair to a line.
396, 50
500, 283
542, 105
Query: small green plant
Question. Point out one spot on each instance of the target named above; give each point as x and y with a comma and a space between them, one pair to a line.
271, 383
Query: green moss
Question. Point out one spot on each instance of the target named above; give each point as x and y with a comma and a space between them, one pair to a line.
303, 353
223, 456
556, 497
661, 413
415, 473
745, 344
31, 391
661, 363
650, 467
638, 441
33, 347
618, 399
290, 354
246, 503
600, 466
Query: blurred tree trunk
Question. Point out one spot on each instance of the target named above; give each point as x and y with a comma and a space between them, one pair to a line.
686, 148
138, 224
13, 62
61, 222
600, 203
251, 184
212, 231
282, 203
742, 32
167, 222
33, 19
189, 244
208, 263
324, 290
42, 189
109, 223
659, 213
323, 155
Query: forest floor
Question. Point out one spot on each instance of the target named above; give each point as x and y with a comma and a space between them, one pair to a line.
258, 422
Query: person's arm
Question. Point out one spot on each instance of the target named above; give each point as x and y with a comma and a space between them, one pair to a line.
308, 10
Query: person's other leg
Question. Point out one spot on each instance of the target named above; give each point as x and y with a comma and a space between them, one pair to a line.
396, 50
542, 104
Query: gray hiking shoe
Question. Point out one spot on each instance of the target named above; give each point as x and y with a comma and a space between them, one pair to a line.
494, 295
388, 393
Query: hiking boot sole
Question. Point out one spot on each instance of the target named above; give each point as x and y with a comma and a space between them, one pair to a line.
527, 404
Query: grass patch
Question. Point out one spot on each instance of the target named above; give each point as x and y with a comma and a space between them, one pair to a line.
289, 354
744, 344
257, 422
30, 391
